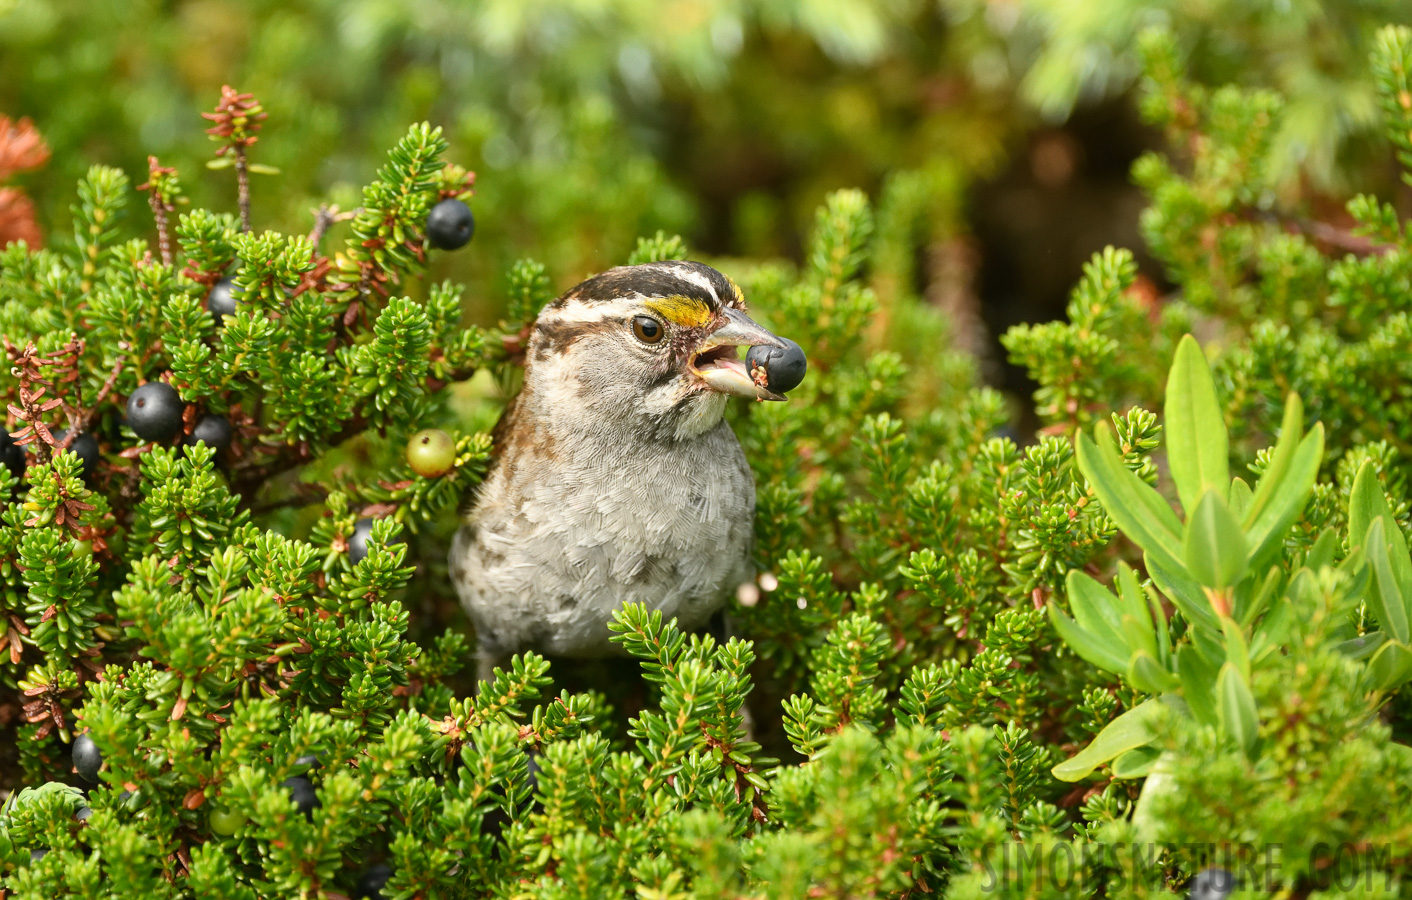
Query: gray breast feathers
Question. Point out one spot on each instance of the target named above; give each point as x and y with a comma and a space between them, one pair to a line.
550, 550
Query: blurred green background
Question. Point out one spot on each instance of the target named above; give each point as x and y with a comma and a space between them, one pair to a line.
996, 134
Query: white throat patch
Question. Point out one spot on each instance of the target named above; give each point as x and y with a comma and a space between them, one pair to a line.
702, 415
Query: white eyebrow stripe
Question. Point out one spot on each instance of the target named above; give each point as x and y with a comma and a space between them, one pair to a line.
696, 278
577, 311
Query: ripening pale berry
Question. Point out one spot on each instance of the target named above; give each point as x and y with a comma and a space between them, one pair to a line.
214, 431
154, 411
87, 758
450, 225
784, 366
226, 822
431, 452
221, 301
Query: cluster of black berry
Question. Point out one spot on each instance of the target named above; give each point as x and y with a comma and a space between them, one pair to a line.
154, 413
88, 762
154, 410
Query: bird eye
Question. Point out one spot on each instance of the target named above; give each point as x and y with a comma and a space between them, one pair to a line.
647, 329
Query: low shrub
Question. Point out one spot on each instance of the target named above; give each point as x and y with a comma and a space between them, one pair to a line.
204, 704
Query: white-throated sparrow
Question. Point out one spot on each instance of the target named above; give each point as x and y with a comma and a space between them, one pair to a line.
616, 478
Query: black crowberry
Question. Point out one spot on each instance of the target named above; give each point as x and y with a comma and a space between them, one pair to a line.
214, 431
221, 301
87, 758
358, 541
85, 447
154, 411
301, 790
450, 225
784, 366
371, 881
12, 455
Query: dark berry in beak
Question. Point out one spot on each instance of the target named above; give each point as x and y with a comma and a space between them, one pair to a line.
784, 367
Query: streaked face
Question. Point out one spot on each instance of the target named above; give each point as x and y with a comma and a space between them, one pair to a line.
655, 345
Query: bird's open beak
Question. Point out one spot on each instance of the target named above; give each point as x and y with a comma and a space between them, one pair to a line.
717, 364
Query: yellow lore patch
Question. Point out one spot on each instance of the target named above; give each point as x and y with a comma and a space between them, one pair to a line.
684, 311
739, 294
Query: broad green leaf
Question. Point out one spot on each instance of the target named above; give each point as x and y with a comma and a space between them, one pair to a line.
1236, 708
1391, 666
1198, 678
1160, 786
1136, 618
1291, 435
1365, 503
1237, 651
1132, 504
1198, 450
1132, 729
1239, 499
1096, 610
1159, 621
1215, 546
1321, 555
1148, 675
1290, 492
1102, 653
1362, 646
1366, 506
1136, 763
1186, 595
1275, 628
1255, 602
1385, 596
1130, 599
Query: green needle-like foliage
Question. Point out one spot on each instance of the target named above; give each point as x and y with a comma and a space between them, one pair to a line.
1135, 646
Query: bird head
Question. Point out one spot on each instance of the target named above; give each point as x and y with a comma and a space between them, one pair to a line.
653, 347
